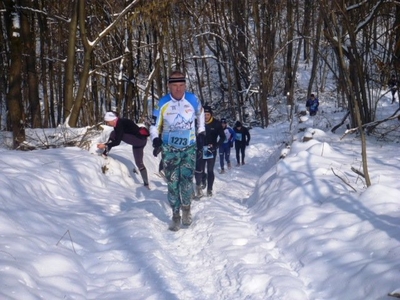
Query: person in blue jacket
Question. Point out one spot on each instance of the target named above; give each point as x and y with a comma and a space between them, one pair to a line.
312, 105
225, 148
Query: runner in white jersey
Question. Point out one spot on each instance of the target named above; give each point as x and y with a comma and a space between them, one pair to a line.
175, 133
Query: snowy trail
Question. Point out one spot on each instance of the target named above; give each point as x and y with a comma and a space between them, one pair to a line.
113, 233
284, 230
206, 273
199, 262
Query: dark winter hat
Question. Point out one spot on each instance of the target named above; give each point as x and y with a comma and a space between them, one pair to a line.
238, 124
223, 120
207, 109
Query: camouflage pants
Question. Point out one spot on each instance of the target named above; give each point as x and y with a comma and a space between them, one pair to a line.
179, 165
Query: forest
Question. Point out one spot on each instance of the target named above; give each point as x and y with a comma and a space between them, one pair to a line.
67, 62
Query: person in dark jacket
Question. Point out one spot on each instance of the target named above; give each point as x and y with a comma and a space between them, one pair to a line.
242, 140
207, 152
312, 105
126, 130
225, 148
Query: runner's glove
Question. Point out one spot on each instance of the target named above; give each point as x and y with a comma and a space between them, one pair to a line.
157, 142
105, 152
156, 151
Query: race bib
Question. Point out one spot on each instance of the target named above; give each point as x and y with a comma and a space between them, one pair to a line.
238, 136
207, 153
179, 138
227, 135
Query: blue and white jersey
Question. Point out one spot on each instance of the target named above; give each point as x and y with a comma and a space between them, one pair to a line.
176, 120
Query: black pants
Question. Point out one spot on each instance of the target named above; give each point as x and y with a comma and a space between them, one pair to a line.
393, 94
200, 169
240, 149
138, 157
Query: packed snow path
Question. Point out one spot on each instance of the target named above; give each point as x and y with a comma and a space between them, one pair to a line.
289, 230
208, 260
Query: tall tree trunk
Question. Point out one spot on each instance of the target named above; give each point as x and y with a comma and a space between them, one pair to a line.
14, 96
70, 61
3, 72
315, 55
264, 32
130, 84
289, 82
28, 36
363, 145
396, 56
350, 73
308, 18
52, 89
43, 53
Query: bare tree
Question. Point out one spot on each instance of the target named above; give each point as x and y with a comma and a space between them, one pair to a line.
69, 80
116, 55
88, 47
28, 36
315, 53
14, 95
345, 27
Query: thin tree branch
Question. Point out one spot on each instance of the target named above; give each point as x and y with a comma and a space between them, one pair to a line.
343, 180
357, 172
372, 124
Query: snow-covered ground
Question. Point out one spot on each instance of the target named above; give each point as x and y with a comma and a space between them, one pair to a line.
302, 227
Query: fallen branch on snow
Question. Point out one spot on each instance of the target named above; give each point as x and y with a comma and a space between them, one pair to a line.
372, 124
343, 180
